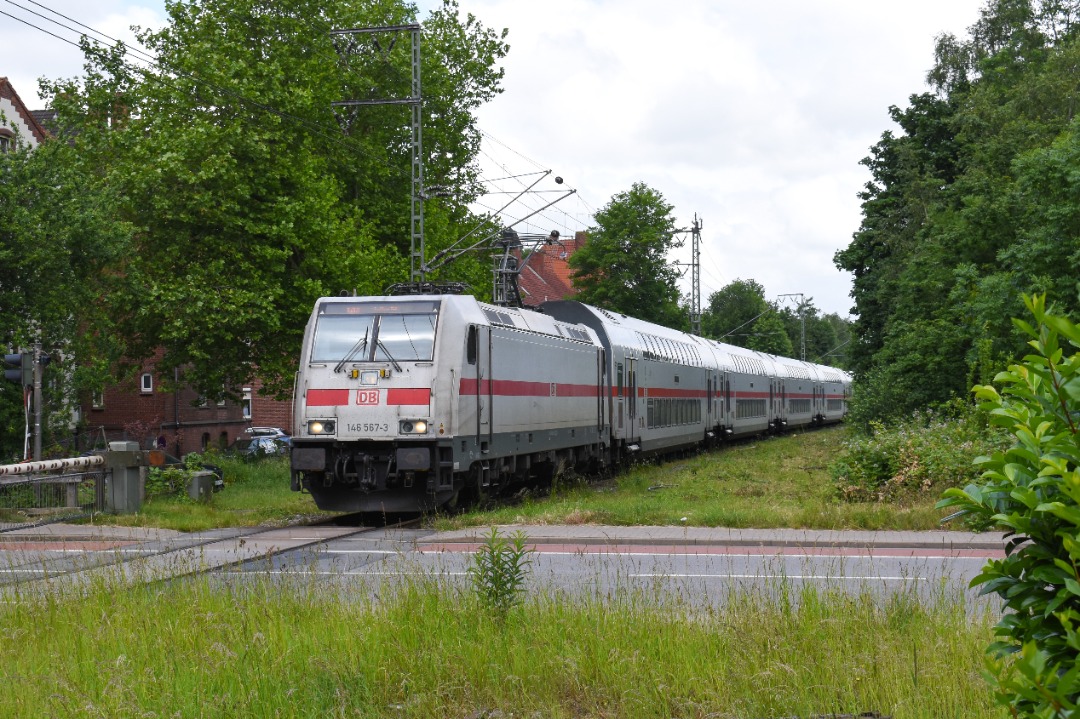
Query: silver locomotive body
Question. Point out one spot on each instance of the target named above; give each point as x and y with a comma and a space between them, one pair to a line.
411, 403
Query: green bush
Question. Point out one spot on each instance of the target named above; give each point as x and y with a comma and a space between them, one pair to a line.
1032, 491
928, 451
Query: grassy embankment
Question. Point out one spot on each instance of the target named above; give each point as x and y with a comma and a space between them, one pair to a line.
771, 482
273, 647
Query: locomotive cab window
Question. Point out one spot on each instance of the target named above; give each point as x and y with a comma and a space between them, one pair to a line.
472, 346
375, 332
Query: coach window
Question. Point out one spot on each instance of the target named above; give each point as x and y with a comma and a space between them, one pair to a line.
471, 345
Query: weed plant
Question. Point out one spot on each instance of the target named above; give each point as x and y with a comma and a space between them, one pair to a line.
426, 647
498, 572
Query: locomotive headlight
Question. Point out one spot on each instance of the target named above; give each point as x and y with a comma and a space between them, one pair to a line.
413, 426
321, 426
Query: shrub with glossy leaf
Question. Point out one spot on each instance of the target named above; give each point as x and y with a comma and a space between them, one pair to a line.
1032, 491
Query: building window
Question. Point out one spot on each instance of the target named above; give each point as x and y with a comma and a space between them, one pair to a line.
97, 399
246, 403
146, 383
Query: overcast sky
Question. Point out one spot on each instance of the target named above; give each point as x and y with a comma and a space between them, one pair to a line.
754, 115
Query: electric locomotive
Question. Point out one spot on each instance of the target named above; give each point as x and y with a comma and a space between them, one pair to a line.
408, 403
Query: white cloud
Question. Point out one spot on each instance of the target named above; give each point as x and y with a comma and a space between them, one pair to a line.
753, 115
45, 44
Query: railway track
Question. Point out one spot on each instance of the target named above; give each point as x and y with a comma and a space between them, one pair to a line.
36, 565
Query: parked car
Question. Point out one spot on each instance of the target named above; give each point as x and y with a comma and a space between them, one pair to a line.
265, 432
260, 446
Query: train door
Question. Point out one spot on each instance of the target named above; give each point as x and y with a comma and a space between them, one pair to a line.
604, 395
632, 433
726, 405
710, 400
480, 351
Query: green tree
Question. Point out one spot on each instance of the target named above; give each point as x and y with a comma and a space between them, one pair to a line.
624, 265
248, 199
731, 311
968, 208
59, 240
770, 335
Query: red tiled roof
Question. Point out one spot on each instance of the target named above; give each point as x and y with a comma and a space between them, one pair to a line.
547, 275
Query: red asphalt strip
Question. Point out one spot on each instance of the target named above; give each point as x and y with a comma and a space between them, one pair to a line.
667, 549
65, 545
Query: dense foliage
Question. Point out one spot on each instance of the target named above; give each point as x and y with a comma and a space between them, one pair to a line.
1032, 491
919, 456
200, 196
245, 197
740, 315
624, 266
974, 202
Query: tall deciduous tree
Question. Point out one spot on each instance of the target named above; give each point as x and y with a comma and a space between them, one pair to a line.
968, 208
624, 265
248, 199
59, 236
732, 311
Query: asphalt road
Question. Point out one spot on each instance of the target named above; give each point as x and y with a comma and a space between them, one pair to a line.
695, 565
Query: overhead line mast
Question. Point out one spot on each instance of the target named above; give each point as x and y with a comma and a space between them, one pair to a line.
415, 102
695, 273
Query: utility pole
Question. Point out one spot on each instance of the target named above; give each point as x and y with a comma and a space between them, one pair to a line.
38, 367
802, 321
695, 273
353, 43
695, 276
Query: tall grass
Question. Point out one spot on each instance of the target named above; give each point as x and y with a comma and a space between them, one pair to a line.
425, 648
917, 457
766, 483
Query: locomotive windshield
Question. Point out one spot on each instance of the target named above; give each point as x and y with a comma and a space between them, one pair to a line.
375, 332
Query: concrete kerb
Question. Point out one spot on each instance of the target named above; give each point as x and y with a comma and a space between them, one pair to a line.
704, 536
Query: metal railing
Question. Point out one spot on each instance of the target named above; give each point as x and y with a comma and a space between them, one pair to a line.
34, 493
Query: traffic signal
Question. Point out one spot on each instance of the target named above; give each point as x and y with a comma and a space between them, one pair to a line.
19, 368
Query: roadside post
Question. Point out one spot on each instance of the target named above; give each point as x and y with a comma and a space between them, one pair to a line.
125, 461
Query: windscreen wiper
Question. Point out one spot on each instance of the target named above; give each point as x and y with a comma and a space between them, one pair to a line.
380, 345
356, 349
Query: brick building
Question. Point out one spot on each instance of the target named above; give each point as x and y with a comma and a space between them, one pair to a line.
142, 410
17, 120
547, 275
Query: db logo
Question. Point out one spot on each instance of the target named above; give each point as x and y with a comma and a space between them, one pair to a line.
367, 396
